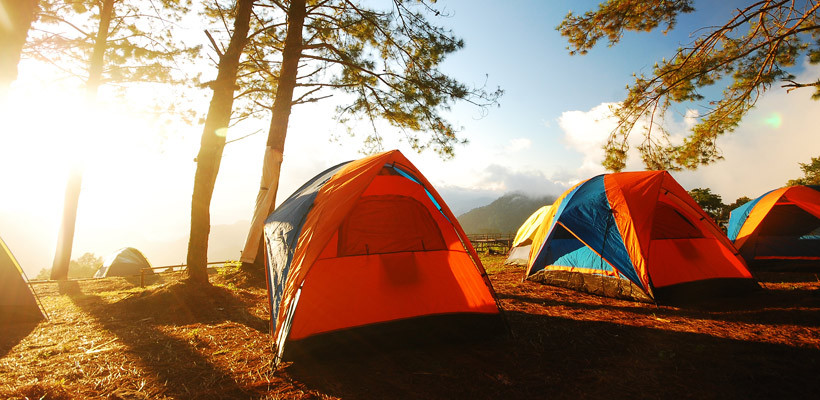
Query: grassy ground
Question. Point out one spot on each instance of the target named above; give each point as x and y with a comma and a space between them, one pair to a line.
112, 339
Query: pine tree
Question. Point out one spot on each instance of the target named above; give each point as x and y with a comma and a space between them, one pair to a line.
213, 141
386, 60
754, 49
16, 17
104, 42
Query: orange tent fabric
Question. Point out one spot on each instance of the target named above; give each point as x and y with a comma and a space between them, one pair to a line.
637, 227
376, 244
783, 224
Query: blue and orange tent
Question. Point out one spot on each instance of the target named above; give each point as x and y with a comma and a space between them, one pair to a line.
635, 235
368, 251
781, 226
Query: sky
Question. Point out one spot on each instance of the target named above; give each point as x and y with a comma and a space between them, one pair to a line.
546, 135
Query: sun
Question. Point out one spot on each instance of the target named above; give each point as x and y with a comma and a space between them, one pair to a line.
48, 130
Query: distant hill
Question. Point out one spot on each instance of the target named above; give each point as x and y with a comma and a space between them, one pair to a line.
504, 215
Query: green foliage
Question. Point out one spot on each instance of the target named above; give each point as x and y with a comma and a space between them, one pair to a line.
739, 202
811, 173
504, 215
754, 49
710, 202
143, 45
713, 204
84, 267
615, 16
140, 45
385, 62
727, 210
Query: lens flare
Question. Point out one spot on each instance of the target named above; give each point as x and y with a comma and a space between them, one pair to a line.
774, 120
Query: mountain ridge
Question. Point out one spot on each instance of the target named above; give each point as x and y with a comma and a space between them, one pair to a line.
504, 214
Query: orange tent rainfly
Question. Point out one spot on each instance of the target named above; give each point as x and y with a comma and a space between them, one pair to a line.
367, 252
780, 228
635, 235
17, 303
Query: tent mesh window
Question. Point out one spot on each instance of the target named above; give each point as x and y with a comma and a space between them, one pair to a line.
788, 230
669, 223
388, 224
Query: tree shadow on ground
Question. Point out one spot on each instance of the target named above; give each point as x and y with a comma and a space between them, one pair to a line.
146, 280
769, 306
13, 333
552, 357
182, 304
786, 276
186, 373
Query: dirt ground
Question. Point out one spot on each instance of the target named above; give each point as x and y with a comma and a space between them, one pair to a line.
109, 338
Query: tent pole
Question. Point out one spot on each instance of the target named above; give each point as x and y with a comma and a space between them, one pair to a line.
36, 297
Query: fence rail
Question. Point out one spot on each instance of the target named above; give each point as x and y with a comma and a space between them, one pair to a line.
166, 268
491, 243
182, 267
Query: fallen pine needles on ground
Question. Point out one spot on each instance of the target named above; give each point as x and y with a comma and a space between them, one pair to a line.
109, 338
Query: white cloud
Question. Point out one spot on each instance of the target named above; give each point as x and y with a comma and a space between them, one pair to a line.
762, 153
586, 132
690, 118
496, 180
518, 144
531, 182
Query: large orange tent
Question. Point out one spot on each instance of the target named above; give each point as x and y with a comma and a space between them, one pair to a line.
780, 228
635, 235
368, 250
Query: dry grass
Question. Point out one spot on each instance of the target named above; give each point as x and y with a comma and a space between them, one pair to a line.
111, 339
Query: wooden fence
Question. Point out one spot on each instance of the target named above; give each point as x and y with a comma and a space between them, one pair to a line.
492, 243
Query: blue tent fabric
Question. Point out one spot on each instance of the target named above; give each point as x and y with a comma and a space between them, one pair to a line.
409, 176
588, 214
542, 255
283, 227
739, 215
573, 253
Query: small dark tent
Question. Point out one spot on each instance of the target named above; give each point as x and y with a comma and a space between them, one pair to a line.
127, 261
368, 253
17, 303
636, 235
779, 229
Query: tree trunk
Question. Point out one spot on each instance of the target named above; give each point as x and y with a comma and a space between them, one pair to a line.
96, 63
13, 32
265, 200
65, 240
62, 257
213, 141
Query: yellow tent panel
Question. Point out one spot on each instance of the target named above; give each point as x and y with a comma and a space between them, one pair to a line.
527, 230
520, 250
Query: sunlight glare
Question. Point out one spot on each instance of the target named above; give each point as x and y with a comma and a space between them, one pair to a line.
5, 21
